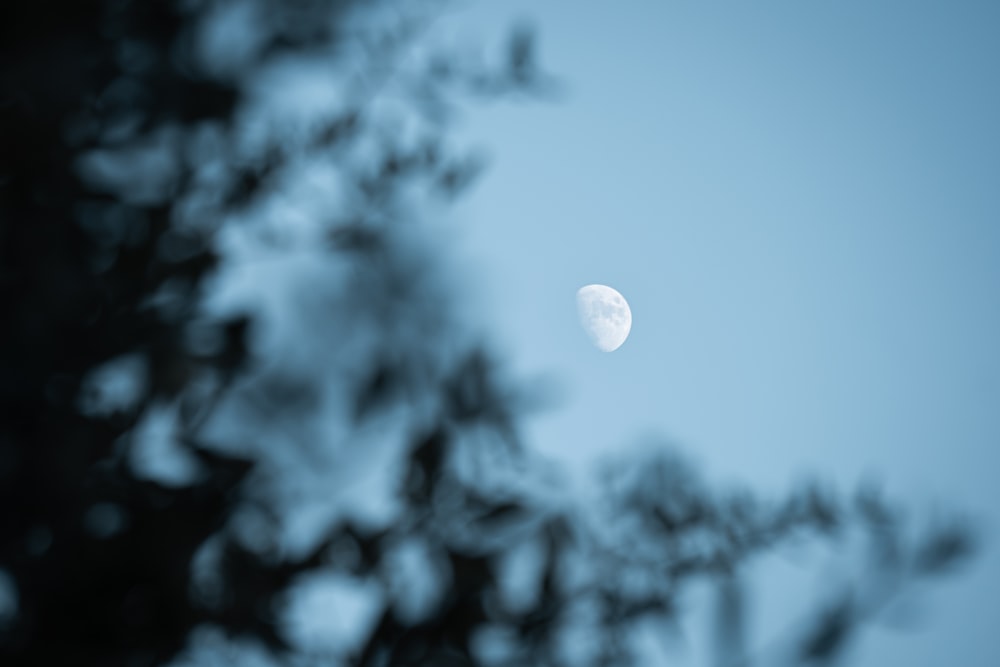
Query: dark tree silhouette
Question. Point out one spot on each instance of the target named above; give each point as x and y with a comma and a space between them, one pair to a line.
233, 386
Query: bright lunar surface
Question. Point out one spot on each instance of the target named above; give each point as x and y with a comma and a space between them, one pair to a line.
605, 316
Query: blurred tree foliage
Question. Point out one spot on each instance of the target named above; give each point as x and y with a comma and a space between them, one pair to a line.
241, 422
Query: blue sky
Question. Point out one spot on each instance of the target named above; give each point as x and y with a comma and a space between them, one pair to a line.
800, 202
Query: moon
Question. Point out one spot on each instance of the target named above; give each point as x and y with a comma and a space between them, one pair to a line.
604, 315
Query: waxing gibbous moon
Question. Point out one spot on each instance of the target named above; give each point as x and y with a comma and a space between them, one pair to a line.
604, 315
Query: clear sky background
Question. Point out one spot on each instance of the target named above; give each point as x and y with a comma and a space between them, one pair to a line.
801, 202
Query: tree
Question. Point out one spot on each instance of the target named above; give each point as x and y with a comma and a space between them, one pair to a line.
237, 415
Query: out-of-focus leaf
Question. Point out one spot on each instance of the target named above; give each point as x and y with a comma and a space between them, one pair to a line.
831, 632
945, 549
521, 54
458, 176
